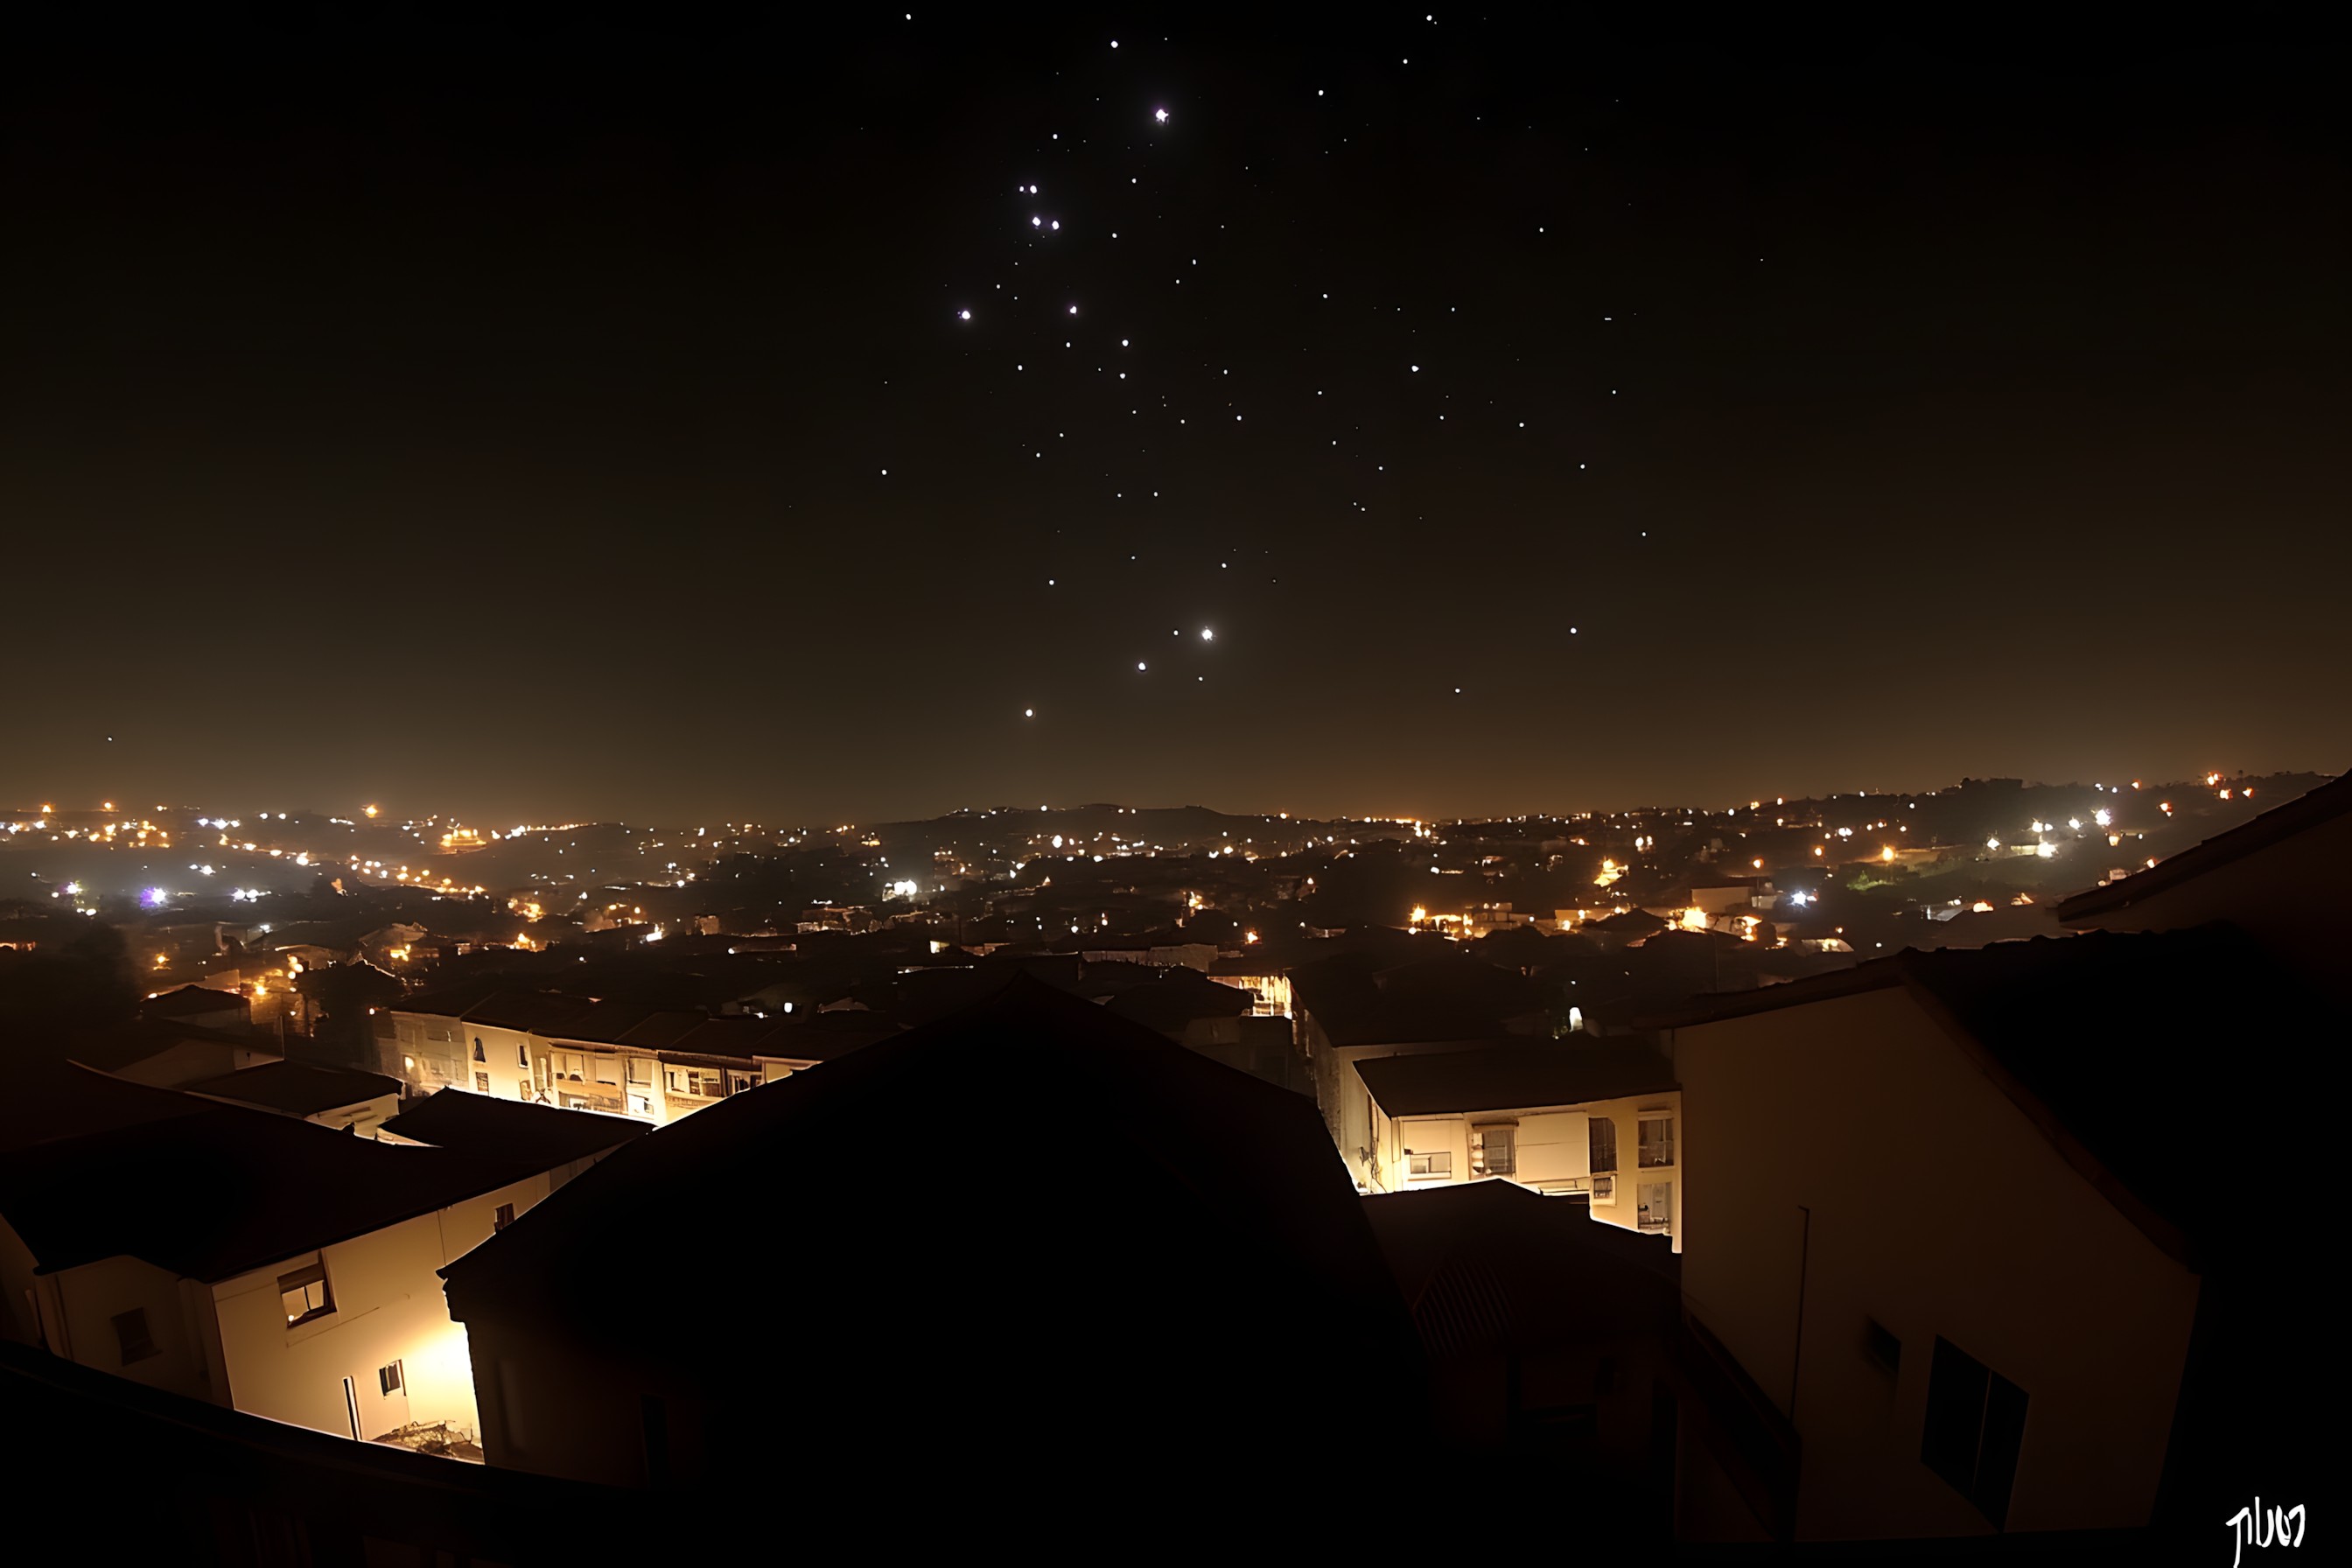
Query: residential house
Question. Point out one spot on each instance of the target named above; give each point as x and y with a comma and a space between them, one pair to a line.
1352, 1008
255, 1261
1600, 1122
499, 1035
1998, 1231
941, 1316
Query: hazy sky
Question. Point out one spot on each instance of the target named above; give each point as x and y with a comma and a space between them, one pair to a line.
589, 424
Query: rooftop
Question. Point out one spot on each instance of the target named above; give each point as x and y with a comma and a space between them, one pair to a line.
2323, 804
1505, 1078
509, 1131
297, 1089
213, 1191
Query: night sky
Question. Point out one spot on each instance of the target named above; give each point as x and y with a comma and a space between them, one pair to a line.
544, 423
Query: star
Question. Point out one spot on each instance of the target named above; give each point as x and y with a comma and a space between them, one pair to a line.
1161, 115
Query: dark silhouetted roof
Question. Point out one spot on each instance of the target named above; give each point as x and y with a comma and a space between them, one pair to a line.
297, 1089
151, 1036
1487, 1266
511, 1132
1503, 1077
1183, 1157
213, 1193
52, 1102
2281, 823
1167, 1005
191, 1000
533, 1012
1450, 996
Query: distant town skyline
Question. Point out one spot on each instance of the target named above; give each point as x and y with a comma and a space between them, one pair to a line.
390, 810
1443, 415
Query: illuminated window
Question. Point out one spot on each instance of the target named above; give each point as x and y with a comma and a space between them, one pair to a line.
1656, 1206
503, 1218
1497, 1150
1657, 1142
305, 1294
1604, 1189
1975, 1426
481, 1083
130, 1336
1440, 1164
640, 1070
1603, 1132
390, 1378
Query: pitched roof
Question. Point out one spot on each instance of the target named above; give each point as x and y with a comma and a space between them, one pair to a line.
1509, 1078
2093, 1037
2323, 804
212, 1193
1167, 1005
511, 1132
135, 1042
1449, 996
295, 1089
1184, 1152
51, 1102
1492, 1265
191, 1000
532, 1012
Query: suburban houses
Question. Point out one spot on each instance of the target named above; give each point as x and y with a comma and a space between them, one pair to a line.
1720, 1239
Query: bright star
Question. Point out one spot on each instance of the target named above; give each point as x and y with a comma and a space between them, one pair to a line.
1161, 115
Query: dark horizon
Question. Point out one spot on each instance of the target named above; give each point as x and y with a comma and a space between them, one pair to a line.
490, 421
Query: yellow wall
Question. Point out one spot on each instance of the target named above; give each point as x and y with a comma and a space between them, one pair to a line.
1554, 1149
1937, 1208
388, 1305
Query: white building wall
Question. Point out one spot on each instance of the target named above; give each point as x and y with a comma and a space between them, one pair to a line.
1936, 1208
388, 1307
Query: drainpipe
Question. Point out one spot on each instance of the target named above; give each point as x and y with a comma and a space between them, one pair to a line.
1796, 1355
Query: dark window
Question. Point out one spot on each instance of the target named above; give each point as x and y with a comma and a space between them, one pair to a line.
1605, 1376
305, 1294
1881, 1345
522, 1056
1438, 1165
1657, 1142
1604, 1143
131, 1335
478, 1050
656, 1415
388, 1378
1496, 1150
503, 1218
1975, 1426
